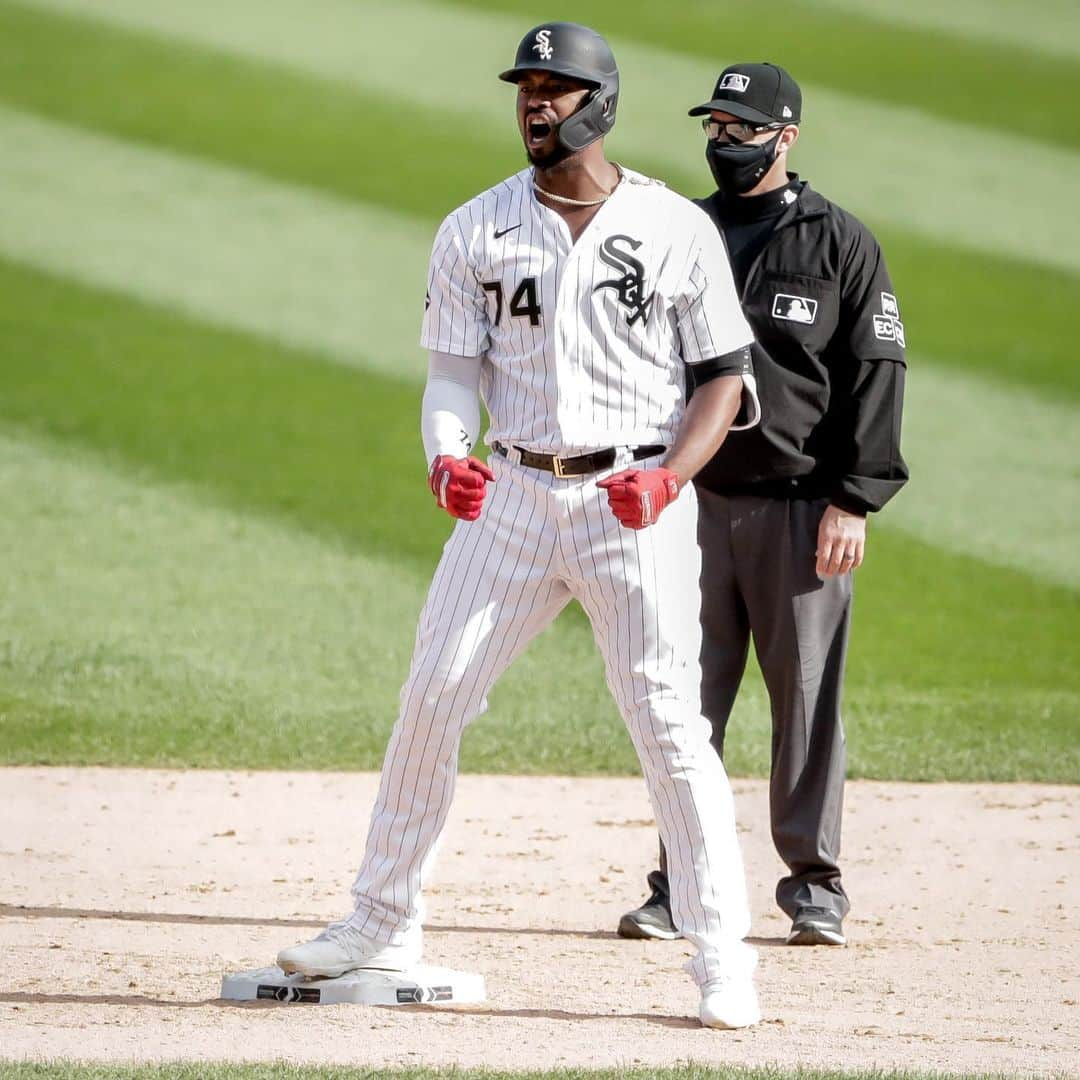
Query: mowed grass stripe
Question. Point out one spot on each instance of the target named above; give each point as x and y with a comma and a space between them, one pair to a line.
994, 473
900, 154
133, 604
317, 273
266, 435
863, 57
1051, 26
987, 317
172, 632
271, 429
873, 55
142, 626
331, 136
269, 118
277, 261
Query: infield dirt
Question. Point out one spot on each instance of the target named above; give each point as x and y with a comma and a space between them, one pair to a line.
126, 894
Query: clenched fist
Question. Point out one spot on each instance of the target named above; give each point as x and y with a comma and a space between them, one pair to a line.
459, 485
637, 496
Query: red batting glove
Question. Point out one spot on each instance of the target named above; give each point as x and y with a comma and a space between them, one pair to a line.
636, 496
459, 485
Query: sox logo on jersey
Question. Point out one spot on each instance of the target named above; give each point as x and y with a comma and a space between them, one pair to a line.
631, 286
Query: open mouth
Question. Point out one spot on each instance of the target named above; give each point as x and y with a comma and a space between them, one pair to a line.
537, 131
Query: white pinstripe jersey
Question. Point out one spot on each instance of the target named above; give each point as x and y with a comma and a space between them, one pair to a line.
583, 344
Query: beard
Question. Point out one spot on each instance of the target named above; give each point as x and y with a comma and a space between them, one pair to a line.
550, 159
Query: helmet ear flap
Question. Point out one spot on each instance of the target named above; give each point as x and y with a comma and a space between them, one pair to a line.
594, 118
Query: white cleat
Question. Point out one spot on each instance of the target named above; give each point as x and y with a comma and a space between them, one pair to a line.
729, 1003
341, 948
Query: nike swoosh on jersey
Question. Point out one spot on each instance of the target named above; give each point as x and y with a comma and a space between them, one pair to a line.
503, 232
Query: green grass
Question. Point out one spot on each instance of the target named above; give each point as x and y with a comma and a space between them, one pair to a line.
281, 1071
989, 316
260, 116
218, 542
216, 533
873, 59
298, 463
969, 169
996, 316
273, 429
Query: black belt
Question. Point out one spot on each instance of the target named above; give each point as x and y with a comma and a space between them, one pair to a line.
577, 466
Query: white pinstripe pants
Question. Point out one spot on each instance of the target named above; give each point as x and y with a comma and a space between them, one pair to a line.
540, 542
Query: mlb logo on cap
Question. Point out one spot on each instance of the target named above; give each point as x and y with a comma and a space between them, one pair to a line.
760, 93
734, 81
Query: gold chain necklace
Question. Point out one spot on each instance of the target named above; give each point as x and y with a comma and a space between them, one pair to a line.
567, 201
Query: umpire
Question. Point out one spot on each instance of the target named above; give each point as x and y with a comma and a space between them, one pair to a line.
783, 505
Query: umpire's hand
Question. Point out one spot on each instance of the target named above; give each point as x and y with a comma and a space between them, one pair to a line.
459, 485
841, 540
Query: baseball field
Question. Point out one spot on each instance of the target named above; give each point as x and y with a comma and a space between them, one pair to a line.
215, 220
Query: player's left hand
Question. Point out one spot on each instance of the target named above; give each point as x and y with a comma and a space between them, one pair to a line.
841, 542
637, 496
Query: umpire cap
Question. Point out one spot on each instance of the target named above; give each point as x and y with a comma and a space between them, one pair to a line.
760, 93
576, 51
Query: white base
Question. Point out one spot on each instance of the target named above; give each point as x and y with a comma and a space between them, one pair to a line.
420, 985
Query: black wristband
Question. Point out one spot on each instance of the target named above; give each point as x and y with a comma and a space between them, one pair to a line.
732, 363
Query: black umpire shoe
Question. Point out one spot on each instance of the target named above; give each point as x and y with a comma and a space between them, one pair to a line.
816, 926
653, 918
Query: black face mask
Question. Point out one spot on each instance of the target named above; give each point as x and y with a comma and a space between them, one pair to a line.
738, 167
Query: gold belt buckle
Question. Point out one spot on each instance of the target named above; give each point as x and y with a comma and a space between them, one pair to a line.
557, 467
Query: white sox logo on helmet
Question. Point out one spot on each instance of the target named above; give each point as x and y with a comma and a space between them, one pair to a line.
543, 44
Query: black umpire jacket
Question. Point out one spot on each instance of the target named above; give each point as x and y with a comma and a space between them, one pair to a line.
829, 360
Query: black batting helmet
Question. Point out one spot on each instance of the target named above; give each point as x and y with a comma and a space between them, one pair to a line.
574, 50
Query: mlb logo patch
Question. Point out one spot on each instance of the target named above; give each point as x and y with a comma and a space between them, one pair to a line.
800, 309
734, 81
889, 306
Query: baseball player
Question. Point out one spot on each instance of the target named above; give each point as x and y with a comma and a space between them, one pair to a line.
576, 298
783, 506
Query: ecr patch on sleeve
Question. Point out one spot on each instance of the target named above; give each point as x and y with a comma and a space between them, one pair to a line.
887, 328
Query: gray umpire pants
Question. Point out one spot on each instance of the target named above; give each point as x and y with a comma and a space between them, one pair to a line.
758, 580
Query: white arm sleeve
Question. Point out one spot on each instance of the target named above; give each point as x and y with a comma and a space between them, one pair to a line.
450, 413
